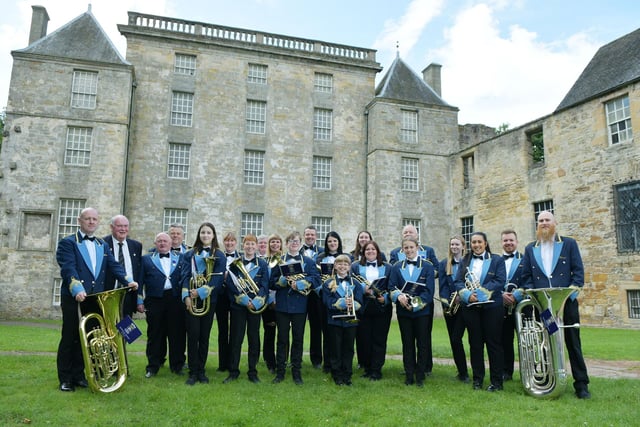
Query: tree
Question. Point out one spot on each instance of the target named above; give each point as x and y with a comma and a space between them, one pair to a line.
502, 128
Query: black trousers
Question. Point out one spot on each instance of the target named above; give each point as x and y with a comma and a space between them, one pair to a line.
416, 343
269, 338
317, 314
574, 346
243, 321
296, 323
484, 325
69, 361
371, 339
341, 341
198, 332
165, 323
223, 309
455, 328
508, 335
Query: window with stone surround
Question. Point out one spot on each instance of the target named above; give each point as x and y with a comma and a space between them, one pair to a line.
257, 73
56, 292
410, 174
409, 127
252, 223
322, 124
323, 82
321, 173
544, 205
84, 89
535, 138
182, 109
323, 226
627, 216
633, 302
619, 120
416, 222
78, 146
256, 116
185, 64
68, 213
175, 216
467, 170
179, 161
466, 230
254, 167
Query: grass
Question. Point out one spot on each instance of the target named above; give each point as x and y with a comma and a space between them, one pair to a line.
28, 392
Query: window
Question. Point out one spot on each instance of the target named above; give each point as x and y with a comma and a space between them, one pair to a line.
78, 148
323, 226
179, 160
68, 214
256, 116
254, 167
185, 64
633, 302
467, 230
409, 174
322, 124
84, 89
321, 173
536, 140
323, 82
409, 127
251, 224
417, 223
257, 74
627, 203
174, 216
467, 170
182, 109
619, 120
545, 205
56, 292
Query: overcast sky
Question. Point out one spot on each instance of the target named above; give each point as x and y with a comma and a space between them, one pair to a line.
502, 61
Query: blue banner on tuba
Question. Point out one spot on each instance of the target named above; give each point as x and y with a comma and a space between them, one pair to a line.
128, 329
549, 321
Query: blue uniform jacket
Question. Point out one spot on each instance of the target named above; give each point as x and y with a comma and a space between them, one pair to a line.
372, 305
190, 260
493, 276
334, 300
154, 278
258, 269
423, 272
288, 300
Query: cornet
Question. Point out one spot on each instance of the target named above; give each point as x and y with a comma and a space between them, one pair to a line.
350, 315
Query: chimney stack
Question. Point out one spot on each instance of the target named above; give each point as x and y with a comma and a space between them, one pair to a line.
39, 22
431, 76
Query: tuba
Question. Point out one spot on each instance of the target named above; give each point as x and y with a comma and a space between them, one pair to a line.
541, 342
103, 352
200, 307
244, 282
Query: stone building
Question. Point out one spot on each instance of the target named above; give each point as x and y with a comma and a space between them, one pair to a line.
265, 133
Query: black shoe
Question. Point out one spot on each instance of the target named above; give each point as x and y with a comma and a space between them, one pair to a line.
583, 394
203, 379
277, 379
67, 387
229, 379
338, 381
348, 383
420, 384
493, 388
178, 371
428, 373
81, 383
191, 380
375, 377
298, 380
463, 378
477, 385
150, 374
254, 379
408, 382
366, 375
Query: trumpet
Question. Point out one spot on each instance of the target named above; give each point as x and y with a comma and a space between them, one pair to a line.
245, 283
453, 304
200, 307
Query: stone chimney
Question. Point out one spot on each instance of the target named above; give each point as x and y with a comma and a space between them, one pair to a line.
431, 76
39, 22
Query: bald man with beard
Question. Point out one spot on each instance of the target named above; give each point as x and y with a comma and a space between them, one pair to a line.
554, 261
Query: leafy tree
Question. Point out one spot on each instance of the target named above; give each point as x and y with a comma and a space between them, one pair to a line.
537, 146
502, 128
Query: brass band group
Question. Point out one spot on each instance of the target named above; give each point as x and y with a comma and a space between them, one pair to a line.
275, 284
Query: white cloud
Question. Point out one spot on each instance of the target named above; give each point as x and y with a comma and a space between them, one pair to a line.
495, 79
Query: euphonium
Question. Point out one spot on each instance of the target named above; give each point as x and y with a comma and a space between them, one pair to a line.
200, 307
541, 343
105, 363
245, 285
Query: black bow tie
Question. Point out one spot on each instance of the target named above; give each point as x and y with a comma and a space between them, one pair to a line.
208, 249
176, 249
307, 248
230, 255
479, 257
372, 264
455, 262
412, 262
87, 237
165, 255
294, 258
505, 256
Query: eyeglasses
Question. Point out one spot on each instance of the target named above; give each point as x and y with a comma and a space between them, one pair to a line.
294, 241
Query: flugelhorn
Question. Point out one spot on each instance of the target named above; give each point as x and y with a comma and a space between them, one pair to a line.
103, 351
244, 282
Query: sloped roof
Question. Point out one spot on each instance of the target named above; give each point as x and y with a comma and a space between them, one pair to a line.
615, 64
402, 84
81, 39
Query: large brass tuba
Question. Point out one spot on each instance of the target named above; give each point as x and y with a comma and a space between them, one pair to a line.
200, 307
105, 363
541, 342
244, 282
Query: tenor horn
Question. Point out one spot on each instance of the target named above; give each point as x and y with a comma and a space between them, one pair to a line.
541, 342
200, 307
103, 352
